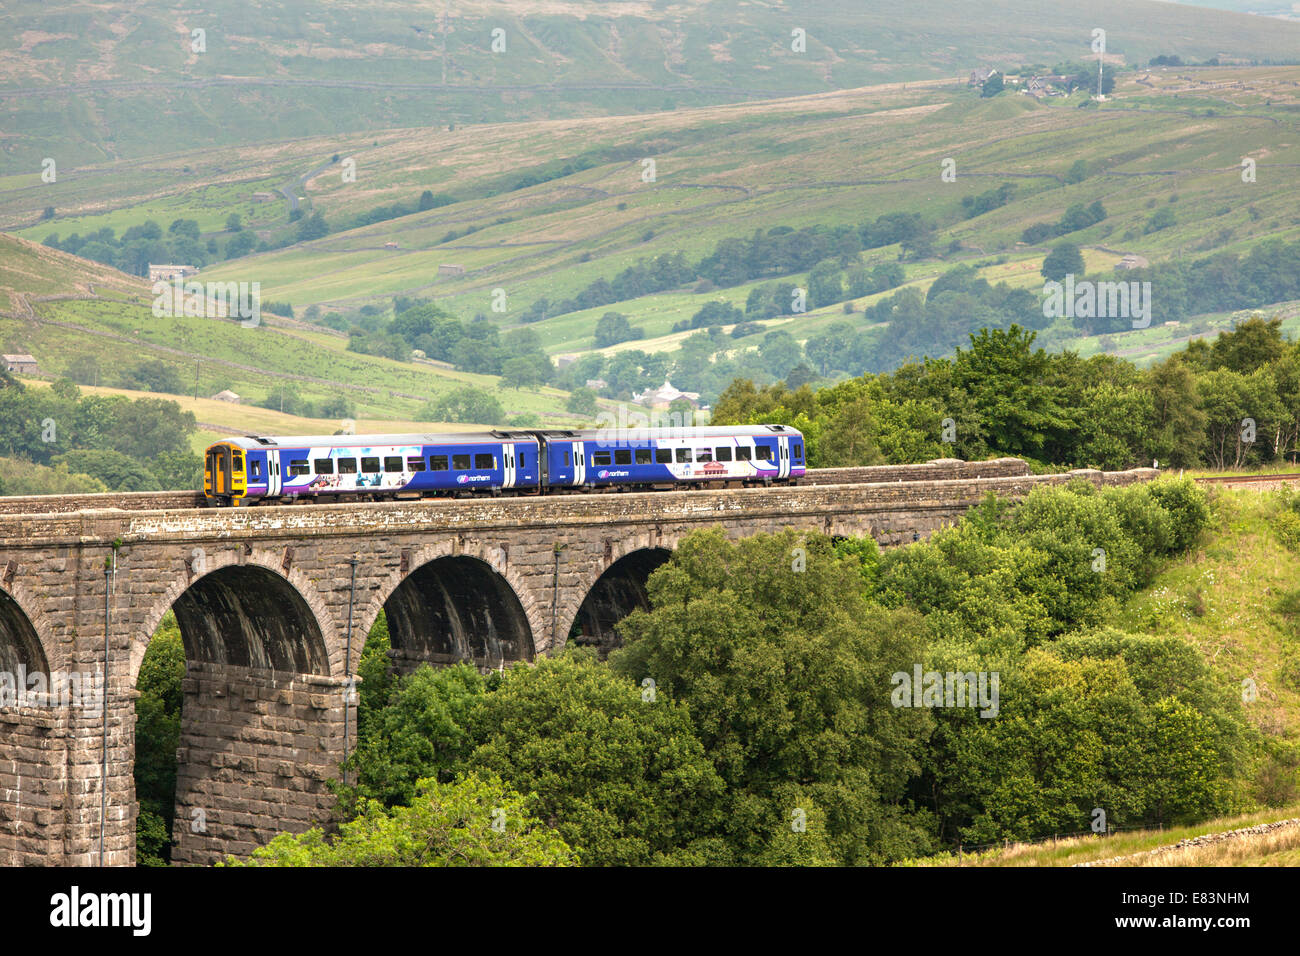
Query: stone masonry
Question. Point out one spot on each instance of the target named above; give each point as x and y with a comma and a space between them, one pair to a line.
274, 615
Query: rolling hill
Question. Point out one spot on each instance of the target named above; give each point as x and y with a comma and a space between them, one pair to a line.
91, 82
61, 309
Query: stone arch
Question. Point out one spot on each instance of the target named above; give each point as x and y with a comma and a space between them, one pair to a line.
618, 585
23, 637
280, 619
456, 604
620, 590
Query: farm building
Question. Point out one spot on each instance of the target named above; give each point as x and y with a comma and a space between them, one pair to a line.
21, 364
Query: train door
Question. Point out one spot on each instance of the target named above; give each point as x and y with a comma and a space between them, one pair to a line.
273, 480
579, 463
218, 469
543, 451
508, 468
783, 456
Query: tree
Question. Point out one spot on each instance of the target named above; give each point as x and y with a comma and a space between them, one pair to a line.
520, 373
613, 327
410, 729
117, 471
466, 404
184, 228
234, 223
582, 402
154, 376
772, 646
825, 285
472, 822
1005, 378
158, 733
618, 773
1064, 259
992, 86
313, 227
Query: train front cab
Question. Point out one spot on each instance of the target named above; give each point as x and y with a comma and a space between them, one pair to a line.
224, 477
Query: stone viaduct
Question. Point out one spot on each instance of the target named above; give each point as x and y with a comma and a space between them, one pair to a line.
274, 605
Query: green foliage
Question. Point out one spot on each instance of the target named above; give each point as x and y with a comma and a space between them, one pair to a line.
466, 404
582, 401
1063, 260
470, 822
613, 328
783, 671
622, 778
420, 731
157, 734
118, 472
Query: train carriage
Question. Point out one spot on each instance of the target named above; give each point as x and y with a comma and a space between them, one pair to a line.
247, 470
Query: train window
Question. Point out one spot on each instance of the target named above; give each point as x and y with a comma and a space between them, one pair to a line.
437, 462
347, 466
415, 464
723, 454
567, 463
485, 461
255, 469
460, 462
623, 457
370, 466
742, 453
324, 466
643, 456
299, 466
600, 458
798, 451
392, 463
704, 454
664, 456
237, 463
683, 455
764, 452
522, 460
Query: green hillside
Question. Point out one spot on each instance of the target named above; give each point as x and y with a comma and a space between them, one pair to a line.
88, 82
64, 310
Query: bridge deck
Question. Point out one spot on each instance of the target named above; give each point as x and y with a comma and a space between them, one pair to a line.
181, 500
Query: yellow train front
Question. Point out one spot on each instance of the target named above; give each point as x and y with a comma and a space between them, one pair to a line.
224, 478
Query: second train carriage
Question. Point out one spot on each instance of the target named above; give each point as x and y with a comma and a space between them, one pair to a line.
246, 470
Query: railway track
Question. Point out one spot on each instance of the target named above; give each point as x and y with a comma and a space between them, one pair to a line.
1249, 479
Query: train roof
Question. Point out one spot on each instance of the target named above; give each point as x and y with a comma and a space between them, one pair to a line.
253, 442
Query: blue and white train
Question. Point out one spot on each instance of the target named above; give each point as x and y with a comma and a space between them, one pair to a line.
255, 468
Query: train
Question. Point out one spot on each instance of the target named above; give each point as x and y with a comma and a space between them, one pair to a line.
253, 469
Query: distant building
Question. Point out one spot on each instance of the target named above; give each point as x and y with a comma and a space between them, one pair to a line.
596, 384
226, 395
390, 245
166, 273
564, 361
1132, 261
263, 197
450, 269
665, 395
21, 364
979, 77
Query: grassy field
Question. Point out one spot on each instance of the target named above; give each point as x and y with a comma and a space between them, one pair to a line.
1278, 848
115, 325
88, 82
1171, 139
